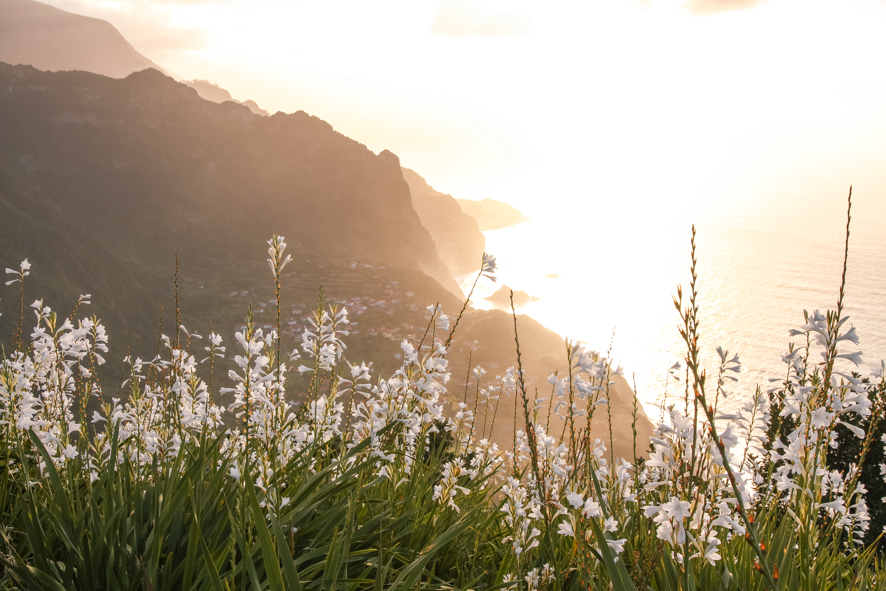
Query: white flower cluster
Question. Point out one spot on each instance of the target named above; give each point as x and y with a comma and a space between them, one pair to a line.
702, 475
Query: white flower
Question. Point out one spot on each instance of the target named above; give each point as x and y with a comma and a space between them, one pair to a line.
676, 509
565, 529
710, 553
821, 418
489, 266
665, 531
575, 499
592, 509
617, 545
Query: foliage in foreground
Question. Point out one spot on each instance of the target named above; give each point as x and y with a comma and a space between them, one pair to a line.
370, 484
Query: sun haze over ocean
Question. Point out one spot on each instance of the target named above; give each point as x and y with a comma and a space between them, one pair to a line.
614, 126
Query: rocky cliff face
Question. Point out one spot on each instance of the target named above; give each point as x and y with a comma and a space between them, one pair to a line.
147, 165
460, 242
51, 39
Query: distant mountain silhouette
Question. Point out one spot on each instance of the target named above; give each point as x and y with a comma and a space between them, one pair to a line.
213, 92
492, 214
49, 38
459, 240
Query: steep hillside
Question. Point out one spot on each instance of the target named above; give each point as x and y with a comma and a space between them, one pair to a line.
459, 240
52, 39
158, 169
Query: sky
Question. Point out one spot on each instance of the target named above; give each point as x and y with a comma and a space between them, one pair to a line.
613, 124
695, 100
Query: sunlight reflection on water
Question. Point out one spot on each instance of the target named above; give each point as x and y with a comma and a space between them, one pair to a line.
759, 266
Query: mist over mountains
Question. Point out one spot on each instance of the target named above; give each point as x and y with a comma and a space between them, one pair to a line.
104, 181
148, 169
460, 243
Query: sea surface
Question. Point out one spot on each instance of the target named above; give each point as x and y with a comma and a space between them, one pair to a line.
606, 274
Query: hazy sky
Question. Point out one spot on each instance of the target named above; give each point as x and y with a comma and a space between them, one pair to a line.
515, 99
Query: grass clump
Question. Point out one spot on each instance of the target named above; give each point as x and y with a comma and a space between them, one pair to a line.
367, 482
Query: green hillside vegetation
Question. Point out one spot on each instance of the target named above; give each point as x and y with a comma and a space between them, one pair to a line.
374, 481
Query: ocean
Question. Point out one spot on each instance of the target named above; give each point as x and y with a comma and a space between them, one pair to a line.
606, 273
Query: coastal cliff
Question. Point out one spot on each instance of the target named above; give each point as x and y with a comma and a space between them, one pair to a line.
492, 214
459, 240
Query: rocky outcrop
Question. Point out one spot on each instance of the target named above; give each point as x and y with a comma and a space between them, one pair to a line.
502, 298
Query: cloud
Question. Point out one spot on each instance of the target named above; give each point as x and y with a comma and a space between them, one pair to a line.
476, 18
712, 6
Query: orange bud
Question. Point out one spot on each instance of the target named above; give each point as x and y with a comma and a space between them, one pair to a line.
775, 572
763, 546
757, 566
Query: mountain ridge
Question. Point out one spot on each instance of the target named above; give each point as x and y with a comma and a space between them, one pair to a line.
215, 93
49, 38
183, 160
